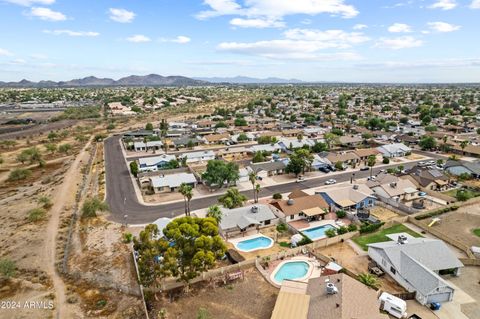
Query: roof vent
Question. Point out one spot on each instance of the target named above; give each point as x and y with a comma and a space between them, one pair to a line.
331, 289
393, 184
290, 202
254, 209
402, 239
355, 186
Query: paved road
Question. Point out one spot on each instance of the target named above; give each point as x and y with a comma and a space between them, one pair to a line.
122, 199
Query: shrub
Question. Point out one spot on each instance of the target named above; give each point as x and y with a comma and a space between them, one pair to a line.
368, 228
436, 212
386, 160
36, 214
352, 227
127, 238
7, 268
341, 213
342, 230
284, 244
463, 195
91, 206
331, 232
19, 174
305, 241
281, 228
45, 201
277, 196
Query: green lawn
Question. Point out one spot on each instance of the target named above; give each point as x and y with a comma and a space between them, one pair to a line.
380, 236
477, 232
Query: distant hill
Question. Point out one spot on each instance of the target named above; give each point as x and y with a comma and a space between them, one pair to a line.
132, 80
249, 80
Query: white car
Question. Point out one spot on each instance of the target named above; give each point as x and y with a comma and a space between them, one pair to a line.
330, 182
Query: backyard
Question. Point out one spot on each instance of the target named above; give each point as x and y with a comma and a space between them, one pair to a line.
380, 236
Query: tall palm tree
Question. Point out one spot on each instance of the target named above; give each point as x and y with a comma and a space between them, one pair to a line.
257, 191
371, 162
215, 212
369, 280
252, 177
187, 192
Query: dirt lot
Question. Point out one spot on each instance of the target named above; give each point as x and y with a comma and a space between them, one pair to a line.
382, 213
460, 224
251, 298
345, 255
469, 281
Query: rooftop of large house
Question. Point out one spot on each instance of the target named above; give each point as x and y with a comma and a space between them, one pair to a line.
243, 217
299, 203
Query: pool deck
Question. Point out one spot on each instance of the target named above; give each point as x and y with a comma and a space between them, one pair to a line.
237, 240
314, 270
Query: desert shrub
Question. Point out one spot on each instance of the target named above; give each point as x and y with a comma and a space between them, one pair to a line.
91, 206
281, 228
352, 227
436, 212
45, 201
341, 213
127, 238
284, 244
19, 174
36, 214
277, 196
386, 160
305, 241
7, 268
342, 230
331, 232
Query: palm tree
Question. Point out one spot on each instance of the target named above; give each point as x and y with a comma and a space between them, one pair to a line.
187, 192
463, 144
371, 163
232, 198
215, 212
369, 280
257, 191
253, 178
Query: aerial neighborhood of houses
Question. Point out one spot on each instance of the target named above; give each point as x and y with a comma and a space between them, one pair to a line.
345, 220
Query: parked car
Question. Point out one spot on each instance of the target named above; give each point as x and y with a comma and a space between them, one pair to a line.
422, 163
371, 178
330, 182
300, 179
324, 169
365, 168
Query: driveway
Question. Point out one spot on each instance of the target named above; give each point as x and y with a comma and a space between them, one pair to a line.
122, 199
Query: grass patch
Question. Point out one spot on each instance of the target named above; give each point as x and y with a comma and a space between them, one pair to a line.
380, 236
477, 232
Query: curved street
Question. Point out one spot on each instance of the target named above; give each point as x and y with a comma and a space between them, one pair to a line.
123, 201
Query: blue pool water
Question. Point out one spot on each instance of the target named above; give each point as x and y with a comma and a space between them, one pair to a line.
317, 232
255, 243
292, 270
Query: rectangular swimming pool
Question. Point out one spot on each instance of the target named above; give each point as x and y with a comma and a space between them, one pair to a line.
317, 232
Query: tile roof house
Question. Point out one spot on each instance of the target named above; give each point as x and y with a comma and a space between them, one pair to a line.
350, 197
352, 299
241, 219
292, 301
428, 178
301, 207
343, 157
217, 138
415, 263
364, 153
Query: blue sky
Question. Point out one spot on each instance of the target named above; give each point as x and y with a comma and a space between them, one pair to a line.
312, 40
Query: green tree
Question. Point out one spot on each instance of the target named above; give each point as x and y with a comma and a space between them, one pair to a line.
331, 232
319, 147
187, 192
427, 143
232, 198
386, 160
33, 155
369, 280
149, 127
258, 157
240, 121
463, 145
215, 212
19, 174
330, 139
300, 161
134, 168
219, 172
371, 160
242, 137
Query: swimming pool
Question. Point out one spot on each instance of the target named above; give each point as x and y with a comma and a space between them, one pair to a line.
317, 232
291, 270
252, 244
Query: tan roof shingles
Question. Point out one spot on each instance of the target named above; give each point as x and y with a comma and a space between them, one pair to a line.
300, 203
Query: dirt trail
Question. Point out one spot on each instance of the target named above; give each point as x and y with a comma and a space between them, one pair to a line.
64, 195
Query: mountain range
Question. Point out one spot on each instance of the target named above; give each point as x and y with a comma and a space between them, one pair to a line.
147, 80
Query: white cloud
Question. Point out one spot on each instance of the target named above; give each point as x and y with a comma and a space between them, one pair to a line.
399, 28
475, 4
275, 10
257, 23
444, 4
28, 3
38, 56
121, 15
72, 33
4, 52
398, 43
301, 44
181, 39
446, 63
47, 14
443, 26
138, 38
360, 26
17, 62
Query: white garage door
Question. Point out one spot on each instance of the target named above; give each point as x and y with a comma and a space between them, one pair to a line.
440, 297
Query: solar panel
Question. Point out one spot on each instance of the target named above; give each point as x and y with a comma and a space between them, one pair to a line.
435, 173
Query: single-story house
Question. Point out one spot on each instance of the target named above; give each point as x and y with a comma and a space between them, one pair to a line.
154, 163
394, 150
320, 162
428, 178
233, 153
469, 150
265, 148
201, 156
415, 264
399, 190
266, 169
171, 183
286, 144
365, 153
340, 296
217, 138
350, 198
242, 219
350, 141
458, 168
184, 141
343, 157
310, 207
150, 145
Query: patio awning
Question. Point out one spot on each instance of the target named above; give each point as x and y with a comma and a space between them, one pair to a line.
314, 211
244, 222
346, 203
440, 182
410, 190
